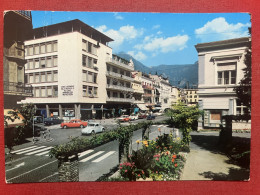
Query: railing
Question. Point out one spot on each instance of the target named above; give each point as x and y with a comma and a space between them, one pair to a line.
119, 87
147, 87
19, 88
113, 74
113, 99
119, 63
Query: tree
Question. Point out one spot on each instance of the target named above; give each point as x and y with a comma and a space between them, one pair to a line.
184, 117
26, 112
243, 91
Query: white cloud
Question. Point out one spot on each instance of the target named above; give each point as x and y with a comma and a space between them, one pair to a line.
118, 17
159, 33
159, 44
137, 55
124, 33
156, 26
220, 29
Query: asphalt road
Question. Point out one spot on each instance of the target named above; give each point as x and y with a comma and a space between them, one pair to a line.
31, 162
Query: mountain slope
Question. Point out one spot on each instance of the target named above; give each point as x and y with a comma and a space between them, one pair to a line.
179, 75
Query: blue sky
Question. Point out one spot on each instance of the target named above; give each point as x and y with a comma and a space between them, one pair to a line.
156, 38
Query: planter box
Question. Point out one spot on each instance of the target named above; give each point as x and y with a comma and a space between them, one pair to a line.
68, 168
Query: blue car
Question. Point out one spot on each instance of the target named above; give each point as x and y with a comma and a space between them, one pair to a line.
150, 117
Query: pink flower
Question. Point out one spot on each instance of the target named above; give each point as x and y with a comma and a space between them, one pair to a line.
120, 167
125, 170
157, 159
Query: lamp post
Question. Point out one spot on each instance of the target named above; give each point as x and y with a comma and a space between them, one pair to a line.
33, 129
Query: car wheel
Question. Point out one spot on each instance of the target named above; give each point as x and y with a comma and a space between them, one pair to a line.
93, 132
81, 126
64, 127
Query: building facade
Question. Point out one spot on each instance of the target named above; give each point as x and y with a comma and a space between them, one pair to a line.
17, 28
192, 96
67, 67
221, 66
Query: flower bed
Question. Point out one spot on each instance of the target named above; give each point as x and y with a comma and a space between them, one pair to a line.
159, 160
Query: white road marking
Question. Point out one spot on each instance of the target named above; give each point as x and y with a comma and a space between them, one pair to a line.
49, 176
30, 150
30, 153
16, 166
42, 153
23, 149
104, 156
85, 153
30, 171
92, 156
10, 162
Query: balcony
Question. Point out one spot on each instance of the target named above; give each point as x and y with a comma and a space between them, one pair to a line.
15, 53
117, 75
119, 64
125, 100
12, 88
119, 87
148, 87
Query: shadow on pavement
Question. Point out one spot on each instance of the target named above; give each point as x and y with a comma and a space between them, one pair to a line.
233, 175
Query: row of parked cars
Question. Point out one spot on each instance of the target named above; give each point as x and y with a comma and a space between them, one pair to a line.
127, 118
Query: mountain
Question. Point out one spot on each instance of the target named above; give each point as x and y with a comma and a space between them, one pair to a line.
183, 76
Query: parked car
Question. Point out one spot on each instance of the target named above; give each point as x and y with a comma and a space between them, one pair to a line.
142, 115
37, 119
74, 123
52, 121
92, 128
158, 113
124, 118
133, 117
150, 117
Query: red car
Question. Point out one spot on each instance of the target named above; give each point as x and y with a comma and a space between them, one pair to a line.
74, 123
124, 118
142, 116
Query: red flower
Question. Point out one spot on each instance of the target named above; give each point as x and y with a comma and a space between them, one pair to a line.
142, 172
139, 175
173, 160
174, 156
175, 164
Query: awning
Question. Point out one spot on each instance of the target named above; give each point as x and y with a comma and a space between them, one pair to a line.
15, 122
142, 107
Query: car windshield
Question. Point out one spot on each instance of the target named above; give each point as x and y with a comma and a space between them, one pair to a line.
91, 125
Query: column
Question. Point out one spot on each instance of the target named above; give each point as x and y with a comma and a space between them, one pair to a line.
60, 111
47, 110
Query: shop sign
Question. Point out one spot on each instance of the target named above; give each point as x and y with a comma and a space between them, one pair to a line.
67, 90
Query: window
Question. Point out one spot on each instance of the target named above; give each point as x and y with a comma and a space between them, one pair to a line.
128, 85
36, 49
49, 62
43, 48
214, 115
95, 78
90, 65
43, 92
55, 76
84, 60
37, 92
95, 91
90, 90
108, 81
49, 77
240, 108
43, 77
114, 69
55, 46
49, 91
108, 68
122, 95
84, 75
55, 89
121, 72
227, 77
30, 50
90, 77
42, 62
84, 45
36, 63
115, 94
108, 94
31, 78
89, 47
84, 91
55, 61
37, 78
20, 75
26, 66
49, 47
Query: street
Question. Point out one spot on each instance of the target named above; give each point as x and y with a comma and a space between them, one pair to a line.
31, 162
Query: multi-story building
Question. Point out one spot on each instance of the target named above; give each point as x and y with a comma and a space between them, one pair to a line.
191, 96
138, 92
147, 84
119, 85
174, 98
67, 67
17, 28
221, 66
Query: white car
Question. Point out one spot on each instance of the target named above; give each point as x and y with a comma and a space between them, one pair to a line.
92, 128
133, 117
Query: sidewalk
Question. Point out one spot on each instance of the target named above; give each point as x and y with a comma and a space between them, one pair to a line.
205, 162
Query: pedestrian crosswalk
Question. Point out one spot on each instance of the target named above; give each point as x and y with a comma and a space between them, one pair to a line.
88, 155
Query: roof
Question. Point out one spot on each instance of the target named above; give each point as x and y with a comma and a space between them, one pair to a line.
71, 26
229, 43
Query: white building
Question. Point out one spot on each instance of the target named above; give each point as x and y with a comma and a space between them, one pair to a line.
220, 70
67, 67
